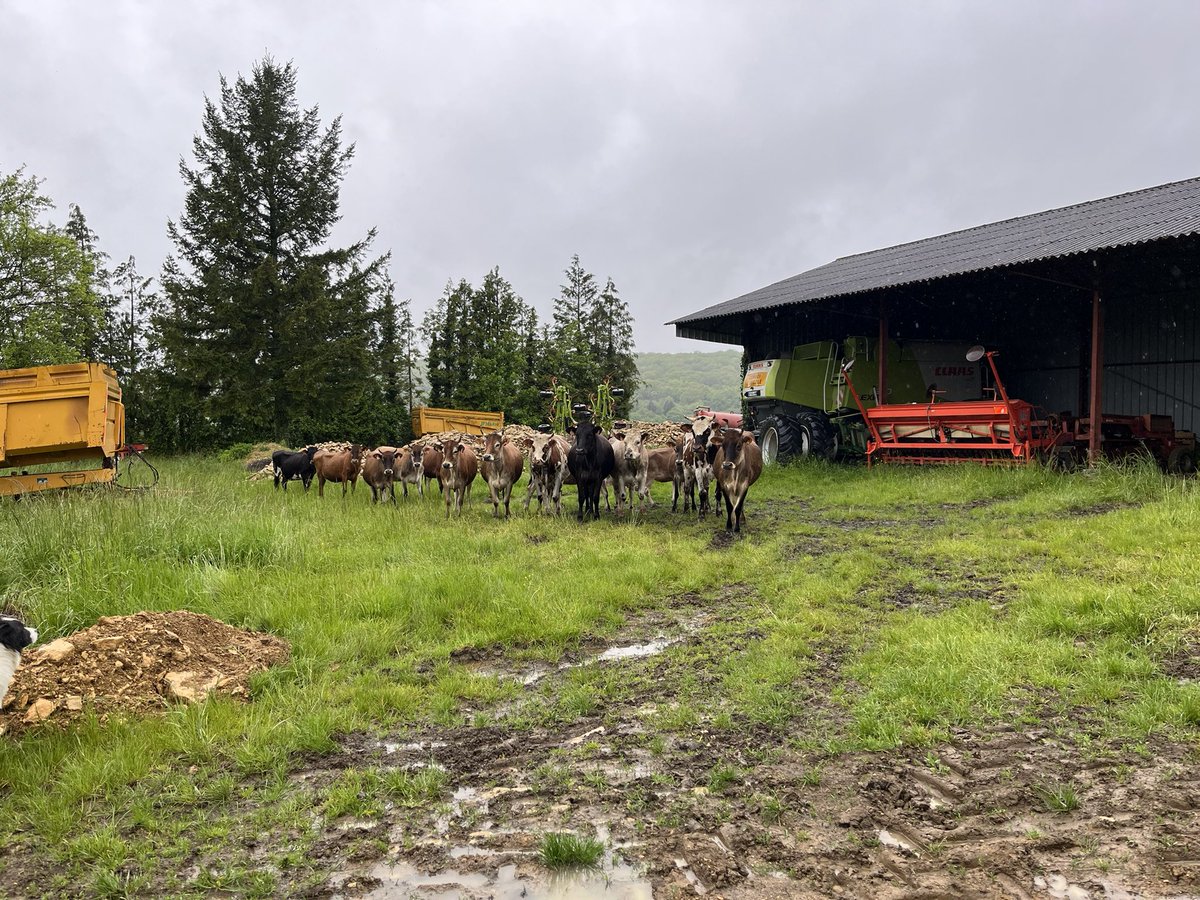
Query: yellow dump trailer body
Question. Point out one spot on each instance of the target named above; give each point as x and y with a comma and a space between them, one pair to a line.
429, 420
57, 414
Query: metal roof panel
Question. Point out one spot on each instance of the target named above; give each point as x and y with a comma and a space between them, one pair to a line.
1167, 211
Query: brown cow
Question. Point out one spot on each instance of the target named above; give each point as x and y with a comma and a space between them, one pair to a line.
379, 471
660, 466
632, 465
431, 464
547, 470
459, 465
501, 469
738, 464
339, 466
408, 471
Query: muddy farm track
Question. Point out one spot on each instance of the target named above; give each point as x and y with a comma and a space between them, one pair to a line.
757, 812
883, 699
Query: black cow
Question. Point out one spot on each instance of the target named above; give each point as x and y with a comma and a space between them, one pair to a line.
590, 460
292, 464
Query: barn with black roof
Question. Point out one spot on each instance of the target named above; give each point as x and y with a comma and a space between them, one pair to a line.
1095, 303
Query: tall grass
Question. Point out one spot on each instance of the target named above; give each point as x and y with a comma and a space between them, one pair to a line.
1096, 576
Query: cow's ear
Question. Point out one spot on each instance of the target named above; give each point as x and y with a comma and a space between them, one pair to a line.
686, 426
570, 429
747, 437
645, 435
619, 435
460, 448
527, 443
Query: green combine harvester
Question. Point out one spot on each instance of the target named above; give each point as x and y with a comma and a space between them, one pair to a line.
799, 405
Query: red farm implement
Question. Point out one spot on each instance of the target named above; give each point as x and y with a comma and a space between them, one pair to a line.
1001, 430
992, 431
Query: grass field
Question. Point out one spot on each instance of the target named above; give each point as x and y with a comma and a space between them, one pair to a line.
892, 620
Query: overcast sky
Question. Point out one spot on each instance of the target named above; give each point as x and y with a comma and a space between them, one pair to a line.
693, 151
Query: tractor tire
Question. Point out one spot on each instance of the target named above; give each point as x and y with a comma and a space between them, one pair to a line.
821, 438
780, 440
1182, 461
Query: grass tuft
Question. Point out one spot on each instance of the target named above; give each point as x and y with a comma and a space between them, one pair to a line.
1058, 798
563, 850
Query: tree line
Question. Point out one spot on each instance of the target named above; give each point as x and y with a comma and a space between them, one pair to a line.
256, 328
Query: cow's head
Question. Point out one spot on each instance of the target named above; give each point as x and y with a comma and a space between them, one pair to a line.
732, 442
386, 457
450, 452
491, 445
634, 442
585, 436
310, 451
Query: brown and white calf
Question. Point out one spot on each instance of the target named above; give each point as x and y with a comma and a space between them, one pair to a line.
502, 468
408, 471
738, 464
692, 456
459, 467
547, 470
339, 466
379, 472
632, 467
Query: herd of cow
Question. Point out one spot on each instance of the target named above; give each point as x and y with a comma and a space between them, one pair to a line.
704, 456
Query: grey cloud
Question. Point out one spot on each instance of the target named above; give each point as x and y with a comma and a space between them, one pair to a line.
692, 150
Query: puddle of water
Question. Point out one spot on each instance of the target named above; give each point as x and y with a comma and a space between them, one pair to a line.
895, 842
611, 880
402, 881
637, 651
612, 654
414, 747
1060, 889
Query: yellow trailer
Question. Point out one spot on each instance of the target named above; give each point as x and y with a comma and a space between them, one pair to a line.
430, 420
59, 414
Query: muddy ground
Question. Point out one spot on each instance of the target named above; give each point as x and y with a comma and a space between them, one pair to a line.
1043, 806
756, 812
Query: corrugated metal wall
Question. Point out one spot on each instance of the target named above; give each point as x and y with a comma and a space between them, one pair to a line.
1152, 344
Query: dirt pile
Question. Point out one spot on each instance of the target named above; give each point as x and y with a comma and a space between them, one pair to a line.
135, 663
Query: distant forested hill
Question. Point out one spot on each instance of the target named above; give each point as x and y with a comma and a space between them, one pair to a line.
676, 383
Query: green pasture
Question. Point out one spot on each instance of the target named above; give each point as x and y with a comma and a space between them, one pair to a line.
1022, 591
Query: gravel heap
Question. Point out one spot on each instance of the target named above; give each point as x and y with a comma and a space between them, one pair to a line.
137, 663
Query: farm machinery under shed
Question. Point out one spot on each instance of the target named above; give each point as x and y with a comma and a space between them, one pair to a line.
1000, 429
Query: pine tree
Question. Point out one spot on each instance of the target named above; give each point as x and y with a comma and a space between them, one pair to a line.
410, 375
265, 331
610, 330
569, 332
96, 326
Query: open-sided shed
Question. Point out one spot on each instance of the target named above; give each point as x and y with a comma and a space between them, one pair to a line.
1095, 305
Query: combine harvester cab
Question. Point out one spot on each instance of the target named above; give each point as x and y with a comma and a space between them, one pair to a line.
799, 404
59, 414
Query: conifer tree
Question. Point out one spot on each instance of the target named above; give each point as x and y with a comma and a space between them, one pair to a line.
610, 331
265, 330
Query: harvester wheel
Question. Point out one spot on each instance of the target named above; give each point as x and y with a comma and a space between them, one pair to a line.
779, 440
820, 437
1182, 461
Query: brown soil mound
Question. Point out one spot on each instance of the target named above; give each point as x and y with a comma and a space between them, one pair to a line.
135, 663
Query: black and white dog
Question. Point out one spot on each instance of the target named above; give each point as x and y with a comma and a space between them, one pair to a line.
14, 637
